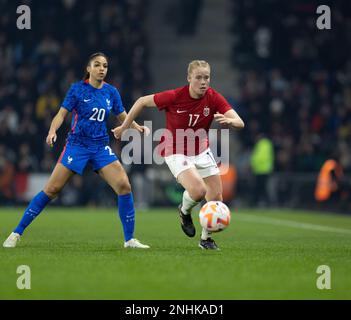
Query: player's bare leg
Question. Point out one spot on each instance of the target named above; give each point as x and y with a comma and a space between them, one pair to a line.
214, 188
195, 191
58, 179
214, 193
116, 177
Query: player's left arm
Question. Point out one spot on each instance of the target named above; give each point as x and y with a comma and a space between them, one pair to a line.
230, 118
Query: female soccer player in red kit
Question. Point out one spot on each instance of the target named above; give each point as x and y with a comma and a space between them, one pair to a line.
192, 107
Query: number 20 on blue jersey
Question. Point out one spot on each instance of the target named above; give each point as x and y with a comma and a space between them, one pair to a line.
98, 115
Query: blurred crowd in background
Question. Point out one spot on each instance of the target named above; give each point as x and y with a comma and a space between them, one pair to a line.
40, 67
294, 80
295, 87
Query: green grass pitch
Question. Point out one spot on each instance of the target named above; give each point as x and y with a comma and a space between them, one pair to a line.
273, 254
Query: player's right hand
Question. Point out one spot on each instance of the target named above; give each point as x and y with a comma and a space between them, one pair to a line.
51, 139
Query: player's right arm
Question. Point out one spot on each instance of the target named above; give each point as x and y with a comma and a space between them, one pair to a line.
55, 125
138, 106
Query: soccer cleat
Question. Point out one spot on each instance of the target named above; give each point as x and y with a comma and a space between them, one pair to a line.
186, 223
135, 243
12, 240
208, 244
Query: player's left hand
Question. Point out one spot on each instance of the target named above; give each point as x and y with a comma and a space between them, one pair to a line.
222, 119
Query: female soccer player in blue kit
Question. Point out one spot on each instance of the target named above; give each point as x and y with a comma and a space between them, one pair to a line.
91, 101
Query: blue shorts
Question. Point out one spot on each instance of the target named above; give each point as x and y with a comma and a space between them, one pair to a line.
76, 157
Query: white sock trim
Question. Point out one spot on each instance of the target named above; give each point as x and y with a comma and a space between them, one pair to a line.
188, 203
205, 234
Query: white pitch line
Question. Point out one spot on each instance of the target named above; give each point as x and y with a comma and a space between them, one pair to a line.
289, 223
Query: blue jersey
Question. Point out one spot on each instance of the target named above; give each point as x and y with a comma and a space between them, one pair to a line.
90, 109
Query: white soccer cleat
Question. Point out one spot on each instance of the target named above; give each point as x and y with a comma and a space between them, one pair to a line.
12, 240
135, 243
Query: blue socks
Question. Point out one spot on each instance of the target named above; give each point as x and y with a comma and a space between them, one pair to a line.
127, 214
125, 209
37, 204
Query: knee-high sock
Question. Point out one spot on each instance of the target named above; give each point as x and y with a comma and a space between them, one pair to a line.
37, 204
188, 203
127, 214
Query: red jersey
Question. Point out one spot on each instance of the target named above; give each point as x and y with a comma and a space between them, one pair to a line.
188, 120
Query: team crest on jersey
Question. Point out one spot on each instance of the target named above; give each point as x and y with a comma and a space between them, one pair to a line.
206, 111
108, 104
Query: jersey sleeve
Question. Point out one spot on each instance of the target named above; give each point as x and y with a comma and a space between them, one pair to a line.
70, 100
221, 103
164, 99
117, 105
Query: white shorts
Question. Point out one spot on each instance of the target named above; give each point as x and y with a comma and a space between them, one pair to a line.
205, 164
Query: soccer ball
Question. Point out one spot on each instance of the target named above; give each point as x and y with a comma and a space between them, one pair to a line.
214, 216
